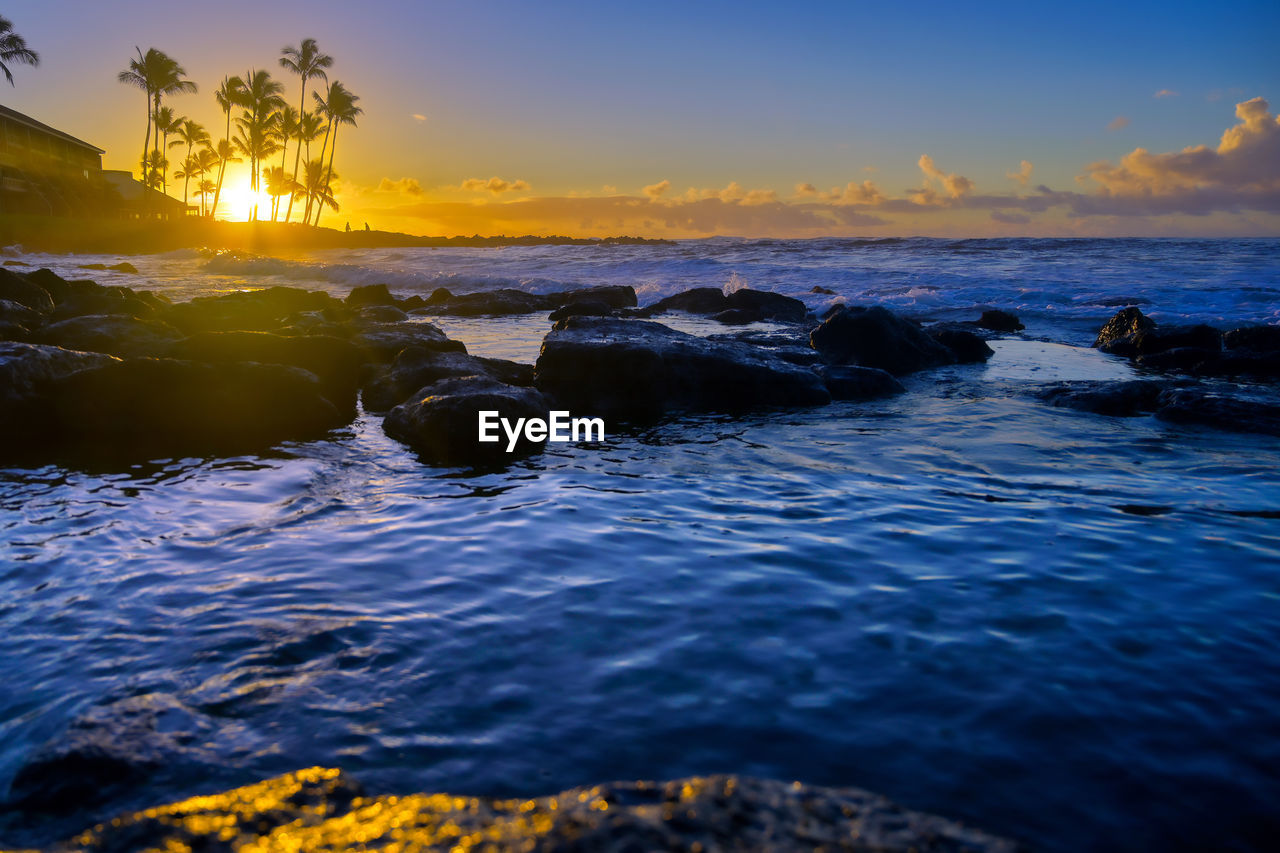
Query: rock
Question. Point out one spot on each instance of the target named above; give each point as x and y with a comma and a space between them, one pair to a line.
25, 372
20, 289
257, 310
876, 337
581, 309
1193, 406
163, 406
737, 317
1256, 338
787, 344
337, 363
114, 334
1125, 322
381, 341
1189, 359
410, 302
441, 421
370, 294
613, 295
414, 368
439, 296
825, 291
17, 314
380, 314
52, 283
966, 346
1126, 398
638, 369
87, 297
125, 267
998, 320
510, 301
753, 304
320, 808
849, 382
91, 266
1156, 340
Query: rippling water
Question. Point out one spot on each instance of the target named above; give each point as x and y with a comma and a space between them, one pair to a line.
1055, 625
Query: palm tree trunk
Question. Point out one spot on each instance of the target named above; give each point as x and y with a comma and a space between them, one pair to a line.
328, 174
302, 110
186, 179
328, 127
217, 193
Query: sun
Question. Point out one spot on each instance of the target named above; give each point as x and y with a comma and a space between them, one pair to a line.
238, 200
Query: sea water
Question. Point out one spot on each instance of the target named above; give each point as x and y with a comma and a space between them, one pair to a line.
1055, 625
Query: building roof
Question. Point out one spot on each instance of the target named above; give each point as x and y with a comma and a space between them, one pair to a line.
132, 190
14, 115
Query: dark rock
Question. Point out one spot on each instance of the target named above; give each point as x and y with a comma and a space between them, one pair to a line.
381, 341
20, 289
738, 317
613, 295
380, 314
410, 302
967, 346
1127, 398
13, 331
505, 301
849, 382
876, 337
415, 368
441, 421
768, 305
52, 283
323, 809
370, 294
1160, 339
87, 297
581, 309
699, 300
161, 406
1256, 338
825, 291
125, 267
26, 370
1125, 322
439, 296
113, 334
17, 314
1193, 406
638, 369
1248, 363
91, 266
787, 344
1190, 359
753, 304
337, 363
257, 310
998, 320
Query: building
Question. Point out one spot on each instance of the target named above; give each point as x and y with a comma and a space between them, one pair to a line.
45, 171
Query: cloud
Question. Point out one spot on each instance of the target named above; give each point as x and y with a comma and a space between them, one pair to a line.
1023, 175
494, 185
609, 189
418, 117
1010, 218
408, 186
1243, 171
865, 193
734, 192
956, 186
656, 190
1118, 123
1165, 93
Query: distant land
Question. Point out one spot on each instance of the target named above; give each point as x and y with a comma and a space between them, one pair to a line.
133, 237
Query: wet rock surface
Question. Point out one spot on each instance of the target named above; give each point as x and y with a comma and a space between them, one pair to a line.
324, 809
441, 420
849, 382
877, 337
1118, 399
739, 307
510, 301
638, 369
417, 367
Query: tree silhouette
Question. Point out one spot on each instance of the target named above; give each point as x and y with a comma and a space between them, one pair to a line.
13, 49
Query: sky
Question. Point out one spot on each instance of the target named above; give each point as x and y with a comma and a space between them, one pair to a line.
694, 118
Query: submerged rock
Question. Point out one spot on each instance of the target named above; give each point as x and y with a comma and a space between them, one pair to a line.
441, 421
320, 808
1235, 414
415, 367
641, 369
850, 382
1125, 398
876, 337
581, 309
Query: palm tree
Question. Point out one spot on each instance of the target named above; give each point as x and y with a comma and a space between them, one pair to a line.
306, 61
13, 48
260, 96
154, 168
205, 160
287, 124
205, 189
190, 133
166, 123
315, 185
157, 74
279, 184
339, 105
226, 153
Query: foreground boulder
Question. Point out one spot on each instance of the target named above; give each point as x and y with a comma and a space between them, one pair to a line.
156, 406
337, 363
1125, 322
257, 310
26, 371
441, 421
850, 382
321, 808
999, 320
877, 337
20, 289
1125, 398
741, 306
115, 334
382, 341
637, 369
1132, 334
417, 367
967, 347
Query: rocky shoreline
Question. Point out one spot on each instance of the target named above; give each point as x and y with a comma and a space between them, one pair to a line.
93, 368
324, 809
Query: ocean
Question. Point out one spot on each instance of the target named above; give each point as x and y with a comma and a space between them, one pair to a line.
1054, 625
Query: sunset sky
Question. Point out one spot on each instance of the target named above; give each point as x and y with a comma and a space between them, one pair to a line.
696, 118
